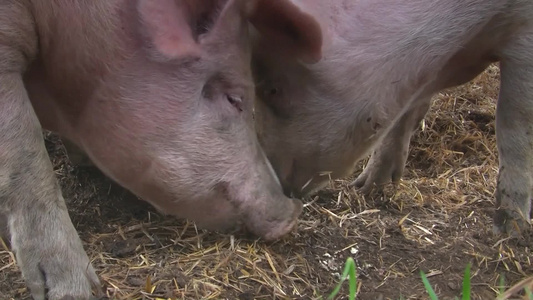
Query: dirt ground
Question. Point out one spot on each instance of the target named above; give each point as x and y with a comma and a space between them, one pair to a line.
437, 220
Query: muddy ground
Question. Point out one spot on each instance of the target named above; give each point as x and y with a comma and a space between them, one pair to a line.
437, 220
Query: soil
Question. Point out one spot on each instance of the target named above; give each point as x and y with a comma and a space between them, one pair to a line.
437, 220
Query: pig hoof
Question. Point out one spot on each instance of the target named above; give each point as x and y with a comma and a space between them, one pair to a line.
510, 222
58, 265
375, 178
366, 185
64, 279
386, 165
360, 183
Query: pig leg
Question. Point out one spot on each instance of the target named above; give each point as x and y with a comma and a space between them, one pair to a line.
43, 238
389, 157
48, 249
514, 132
76, 156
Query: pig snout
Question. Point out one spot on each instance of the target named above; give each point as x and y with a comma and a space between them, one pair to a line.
275, 220
269, 215
265, 210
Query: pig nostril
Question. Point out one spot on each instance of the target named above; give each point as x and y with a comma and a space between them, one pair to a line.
235, 101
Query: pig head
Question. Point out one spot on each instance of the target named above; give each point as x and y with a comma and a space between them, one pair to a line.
159, 95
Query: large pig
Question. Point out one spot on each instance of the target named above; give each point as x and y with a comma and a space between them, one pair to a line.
159, 95
371, 84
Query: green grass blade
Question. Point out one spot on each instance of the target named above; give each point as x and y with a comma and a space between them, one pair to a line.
353, 278
349, 271
466, 284
429, 289
502, 284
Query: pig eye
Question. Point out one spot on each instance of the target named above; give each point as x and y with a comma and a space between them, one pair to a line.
273, 91
235, 101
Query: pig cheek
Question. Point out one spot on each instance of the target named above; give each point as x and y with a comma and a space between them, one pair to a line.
221, 214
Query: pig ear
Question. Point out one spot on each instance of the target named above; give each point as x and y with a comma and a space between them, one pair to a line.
167, 25
282, 23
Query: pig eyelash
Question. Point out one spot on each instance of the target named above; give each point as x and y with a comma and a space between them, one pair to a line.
235, 101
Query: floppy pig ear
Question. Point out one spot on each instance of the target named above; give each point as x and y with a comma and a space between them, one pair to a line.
283, 23
168, 25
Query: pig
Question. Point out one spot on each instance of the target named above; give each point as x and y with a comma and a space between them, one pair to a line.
159, 94
371, 84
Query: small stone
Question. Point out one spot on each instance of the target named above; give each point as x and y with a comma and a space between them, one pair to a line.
452, 286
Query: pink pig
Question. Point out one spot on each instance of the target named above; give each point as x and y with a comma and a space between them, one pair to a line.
159, 95
380, 64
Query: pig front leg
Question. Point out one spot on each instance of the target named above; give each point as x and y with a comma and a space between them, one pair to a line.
388, 159
514, 133
47, 247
